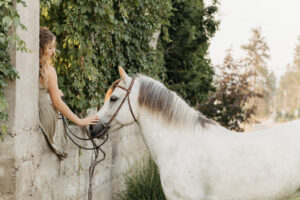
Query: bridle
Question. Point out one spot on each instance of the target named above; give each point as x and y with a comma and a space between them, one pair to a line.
105, 125
128, 91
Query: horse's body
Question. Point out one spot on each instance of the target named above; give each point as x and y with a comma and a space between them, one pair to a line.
200, 160
214, 163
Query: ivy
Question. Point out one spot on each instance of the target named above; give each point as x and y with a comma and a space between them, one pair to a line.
95, 36
9, 21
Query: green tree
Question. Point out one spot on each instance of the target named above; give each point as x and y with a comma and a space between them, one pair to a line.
229, 105
257, 56
188, 69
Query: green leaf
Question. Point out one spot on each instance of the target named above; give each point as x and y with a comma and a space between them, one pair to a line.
7, 21
16, 21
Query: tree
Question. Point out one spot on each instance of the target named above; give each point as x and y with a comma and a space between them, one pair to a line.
288, 95
297, 56
229, 104
189, 72
256, 59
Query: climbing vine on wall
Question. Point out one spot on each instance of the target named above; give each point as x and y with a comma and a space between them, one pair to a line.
9, 21
94, 37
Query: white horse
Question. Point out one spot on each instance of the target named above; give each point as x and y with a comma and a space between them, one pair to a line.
197, 158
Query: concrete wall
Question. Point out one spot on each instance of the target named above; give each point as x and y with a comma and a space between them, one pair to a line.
40, 175
28, 167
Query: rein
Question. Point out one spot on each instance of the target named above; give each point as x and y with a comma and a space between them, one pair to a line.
68, 131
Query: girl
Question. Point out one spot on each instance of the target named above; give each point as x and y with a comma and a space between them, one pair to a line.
49, 122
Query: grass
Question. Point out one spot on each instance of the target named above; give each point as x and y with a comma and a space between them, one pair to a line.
143, 183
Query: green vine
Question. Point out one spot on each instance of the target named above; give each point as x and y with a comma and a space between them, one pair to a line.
9, 21
94, 37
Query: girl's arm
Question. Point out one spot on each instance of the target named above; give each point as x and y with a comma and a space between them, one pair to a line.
60, 105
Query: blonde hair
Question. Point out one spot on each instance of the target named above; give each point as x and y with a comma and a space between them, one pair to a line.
46, 36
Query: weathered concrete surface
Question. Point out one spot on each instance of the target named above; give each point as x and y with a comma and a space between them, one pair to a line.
128, 149
40, 175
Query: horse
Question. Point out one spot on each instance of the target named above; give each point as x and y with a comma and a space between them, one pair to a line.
197, 158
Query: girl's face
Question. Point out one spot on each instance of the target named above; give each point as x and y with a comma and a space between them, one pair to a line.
49, 50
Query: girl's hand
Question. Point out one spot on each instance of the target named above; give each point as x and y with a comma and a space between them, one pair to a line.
89, 120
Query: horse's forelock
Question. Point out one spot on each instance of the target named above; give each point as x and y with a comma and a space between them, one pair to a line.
111, 90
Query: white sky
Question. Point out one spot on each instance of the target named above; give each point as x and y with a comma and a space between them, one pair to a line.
278, 19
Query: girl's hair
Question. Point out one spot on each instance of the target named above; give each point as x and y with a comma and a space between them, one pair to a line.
46, 36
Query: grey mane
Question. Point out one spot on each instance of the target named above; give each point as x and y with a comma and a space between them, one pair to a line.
158, 99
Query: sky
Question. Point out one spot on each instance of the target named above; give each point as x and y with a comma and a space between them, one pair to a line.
279, 21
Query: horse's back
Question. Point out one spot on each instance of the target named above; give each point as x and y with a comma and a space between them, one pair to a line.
264, 163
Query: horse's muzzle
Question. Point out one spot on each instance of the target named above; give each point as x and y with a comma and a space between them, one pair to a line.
98, 130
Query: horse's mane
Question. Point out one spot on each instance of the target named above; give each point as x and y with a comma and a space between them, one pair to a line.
158, 99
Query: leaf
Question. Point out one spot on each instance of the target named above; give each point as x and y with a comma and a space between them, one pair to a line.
16, 21
7, 21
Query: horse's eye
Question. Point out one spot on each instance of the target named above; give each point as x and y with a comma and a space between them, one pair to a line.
113, 99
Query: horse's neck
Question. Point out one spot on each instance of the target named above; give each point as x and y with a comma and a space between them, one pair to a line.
159, 136
152, 135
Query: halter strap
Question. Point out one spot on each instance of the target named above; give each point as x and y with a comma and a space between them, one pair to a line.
128, 91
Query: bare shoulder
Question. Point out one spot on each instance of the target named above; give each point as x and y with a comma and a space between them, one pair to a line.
51, 72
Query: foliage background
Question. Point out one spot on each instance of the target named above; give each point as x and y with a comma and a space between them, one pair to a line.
94, 37
230, 104
288, 92
264, 80
189, 70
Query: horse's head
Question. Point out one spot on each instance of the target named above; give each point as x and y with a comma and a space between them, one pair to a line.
120, 106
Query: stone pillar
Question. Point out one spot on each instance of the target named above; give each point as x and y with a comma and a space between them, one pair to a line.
17, 151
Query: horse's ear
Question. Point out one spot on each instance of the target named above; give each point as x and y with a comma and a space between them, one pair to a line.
122, 72
123, 75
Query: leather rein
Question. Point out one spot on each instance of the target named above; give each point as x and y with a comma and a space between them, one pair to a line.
106, 125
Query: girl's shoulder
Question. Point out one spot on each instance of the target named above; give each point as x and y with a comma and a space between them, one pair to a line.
50, 70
